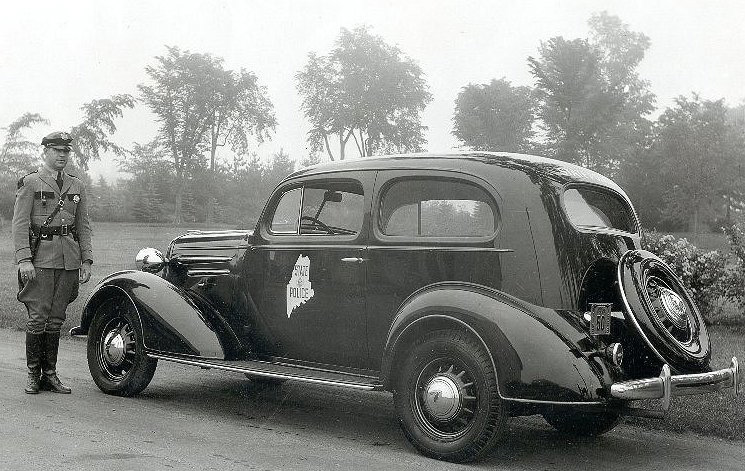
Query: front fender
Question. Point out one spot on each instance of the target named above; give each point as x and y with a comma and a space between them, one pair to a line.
538, 355
172, 320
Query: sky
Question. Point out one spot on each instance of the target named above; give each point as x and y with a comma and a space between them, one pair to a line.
57, 55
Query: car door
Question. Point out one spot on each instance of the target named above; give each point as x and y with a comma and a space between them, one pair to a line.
312, 251
427, 227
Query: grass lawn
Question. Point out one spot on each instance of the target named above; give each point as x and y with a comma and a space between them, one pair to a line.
719, 414
115, 246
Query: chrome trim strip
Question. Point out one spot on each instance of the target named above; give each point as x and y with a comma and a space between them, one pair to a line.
200, 259
451, 248
206, 364
207, 272
556, 403
666, 385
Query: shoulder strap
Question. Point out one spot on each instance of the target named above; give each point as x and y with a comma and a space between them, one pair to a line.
60, 203
20, 180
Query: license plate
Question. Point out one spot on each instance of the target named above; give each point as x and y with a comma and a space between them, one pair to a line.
600, 318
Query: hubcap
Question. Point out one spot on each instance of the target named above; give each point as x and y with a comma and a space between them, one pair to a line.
670, 312
675, 308
442, 398
445, 399
114, 348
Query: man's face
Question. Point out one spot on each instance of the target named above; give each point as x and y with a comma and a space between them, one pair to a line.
56, 157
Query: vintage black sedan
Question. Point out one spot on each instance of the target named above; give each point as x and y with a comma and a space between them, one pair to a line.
475, 287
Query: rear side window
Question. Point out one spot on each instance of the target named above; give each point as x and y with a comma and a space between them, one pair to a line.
590, 208
436, 208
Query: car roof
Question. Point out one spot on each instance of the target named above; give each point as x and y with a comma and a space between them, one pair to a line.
476, 163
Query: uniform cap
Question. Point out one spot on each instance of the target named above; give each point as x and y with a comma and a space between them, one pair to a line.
57, 139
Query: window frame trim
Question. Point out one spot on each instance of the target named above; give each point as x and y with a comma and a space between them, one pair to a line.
600, 229
297, 238
454, 176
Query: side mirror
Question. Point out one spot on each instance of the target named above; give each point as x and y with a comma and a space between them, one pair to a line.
150, 260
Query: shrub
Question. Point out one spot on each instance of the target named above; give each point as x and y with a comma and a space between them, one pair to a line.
704, 274
735, 280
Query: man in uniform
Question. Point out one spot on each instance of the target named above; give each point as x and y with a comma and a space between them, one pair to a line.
52, 205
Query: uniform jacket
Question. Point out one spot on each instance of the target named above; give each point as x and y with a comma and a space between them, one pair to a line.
36, 198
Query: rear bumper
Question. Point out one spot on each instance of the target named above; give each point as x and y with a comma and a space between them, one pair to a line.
666, 385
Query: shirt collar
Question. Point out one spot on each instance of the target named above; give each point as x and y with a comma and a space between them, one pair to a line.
46, 171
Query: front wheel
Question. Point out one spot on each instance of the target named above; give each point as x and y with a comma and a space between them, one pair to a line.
116, 356
446, 397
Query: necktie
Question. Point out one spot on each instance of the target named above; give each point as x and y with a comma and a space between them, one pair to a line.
59, 180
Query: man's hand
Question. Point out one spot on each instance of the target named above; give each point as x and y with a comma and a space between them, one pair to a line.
85, 272
27, 271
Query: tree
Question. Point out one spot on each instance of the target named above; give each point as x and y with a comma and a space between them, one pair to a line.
149, 191
91, 137
106, 202
698, 149
364, 90
280, 166
592, 104
495, 116
311, 159
199, 104
19, 155
734, 193
241, 108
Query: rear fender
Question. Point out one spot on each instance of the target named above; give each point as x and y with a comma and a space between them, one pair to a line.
535, 351
172, 321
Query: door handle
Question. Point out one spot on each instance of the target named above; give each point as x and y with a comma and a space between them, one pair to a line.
353, 259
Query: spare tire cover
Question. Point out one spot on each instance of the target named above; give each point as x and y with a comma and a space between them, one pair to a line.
662, 312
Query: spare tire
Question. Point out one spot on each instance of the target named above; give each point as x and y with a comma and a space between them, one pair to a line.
662, 312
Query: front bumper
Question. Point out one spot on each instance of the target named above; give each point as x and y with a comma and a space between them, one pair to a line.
666, 385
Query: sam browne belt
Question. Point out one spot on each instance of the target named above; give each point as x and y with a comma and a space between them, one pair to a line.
47, 232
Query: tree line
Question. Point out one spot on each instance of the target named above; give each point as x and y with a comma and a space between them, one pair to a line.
587, 105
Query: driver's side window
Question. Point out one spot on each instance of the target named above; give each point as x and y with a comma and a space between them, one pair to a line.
325, 208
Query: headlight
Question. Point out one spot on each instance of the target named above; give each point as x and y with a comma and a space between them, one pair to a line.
149, 260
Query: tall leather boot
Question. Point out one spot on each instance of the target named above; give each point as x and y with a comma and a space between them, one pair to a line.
49, 379
33, 362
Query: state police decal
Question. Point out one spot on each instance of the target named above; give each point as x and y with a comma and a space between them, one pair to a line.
299, 289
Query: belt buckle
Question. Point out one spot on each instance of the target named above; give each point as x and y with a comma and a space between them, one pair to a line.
64, 230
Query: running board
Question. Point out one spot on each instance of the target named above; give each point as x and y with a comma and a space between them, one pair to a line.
283, 371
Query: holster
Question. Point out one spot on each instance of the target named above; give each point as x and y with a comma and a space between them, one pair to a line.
34, 237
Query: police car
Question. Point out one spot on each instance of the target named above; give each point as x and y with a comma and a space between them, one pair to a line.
474, 286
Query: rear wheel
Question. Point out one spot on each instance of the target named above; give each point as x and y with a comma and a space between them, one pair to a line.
116, 356
446, 397
585, 424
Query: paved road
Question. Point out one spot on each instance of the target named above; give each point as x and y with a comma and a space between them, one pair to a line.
196, 419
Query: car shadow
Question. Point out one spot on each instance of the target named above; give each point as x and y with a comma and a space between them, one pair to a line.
368, 418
